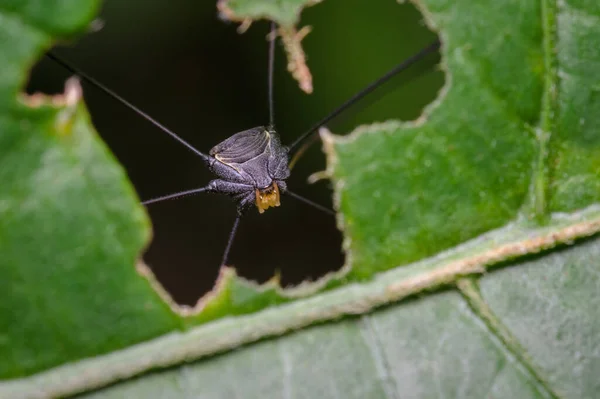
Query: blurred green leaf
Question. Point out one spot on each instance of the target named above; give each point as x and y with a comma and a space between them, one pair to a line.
486, 177
71, 228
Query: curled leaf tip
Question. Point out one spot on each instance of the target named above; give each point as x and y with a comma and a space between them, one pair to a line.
73, 91
96, 25
324, 132
318, 176
292, 42
225, 13
244, 26
275, 280
287, 18
70, 99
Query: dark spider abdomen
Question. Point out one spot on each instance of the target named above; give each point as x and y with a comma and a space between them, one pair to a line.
252, 166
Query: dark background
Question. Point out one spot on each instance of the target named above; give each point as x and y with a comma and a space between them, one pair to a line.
177, 61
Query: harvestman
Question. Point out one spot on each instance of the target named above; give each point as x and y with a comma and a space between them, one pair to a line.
252, 166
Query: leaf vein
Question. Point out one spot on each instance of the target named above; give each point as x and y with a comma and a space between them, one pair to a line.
548, 110
369, 334
470, 291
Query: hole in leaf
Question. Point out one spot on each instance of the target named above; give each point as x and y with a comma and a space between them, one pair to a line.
198, 76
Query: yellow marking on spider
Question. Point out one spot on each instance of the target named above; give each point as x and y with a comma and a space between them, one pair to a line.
267, 198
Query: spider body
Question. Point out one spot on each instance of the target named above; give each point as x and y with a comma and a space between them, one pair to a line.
252, 167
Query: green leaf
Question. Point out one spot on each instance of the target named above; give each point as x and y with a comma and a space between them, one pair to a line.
469, 343
467, 268
504, 142
71, 227
285, 13
431, 347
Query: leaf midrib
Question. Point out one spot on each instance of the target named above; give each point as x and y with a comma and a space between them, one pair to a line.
224, 334
548, 112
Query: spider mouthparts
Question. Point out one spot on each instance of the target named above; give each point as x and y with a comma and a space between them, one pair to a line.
267, 197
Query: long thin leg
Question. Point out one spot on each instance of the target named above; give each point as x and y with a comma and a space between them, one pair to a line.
300, 151
231, 238
87, 78
272, 38
374, 85
177, 195
311, 203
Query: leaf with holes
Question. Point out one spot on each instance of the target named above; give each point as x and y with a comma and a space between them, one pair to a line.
70, 226
475, 215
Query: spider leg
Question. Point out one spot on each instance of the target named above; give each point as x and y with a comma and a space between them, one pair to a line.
87, 78
433, 47
231, 238
309, 202
178, 195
